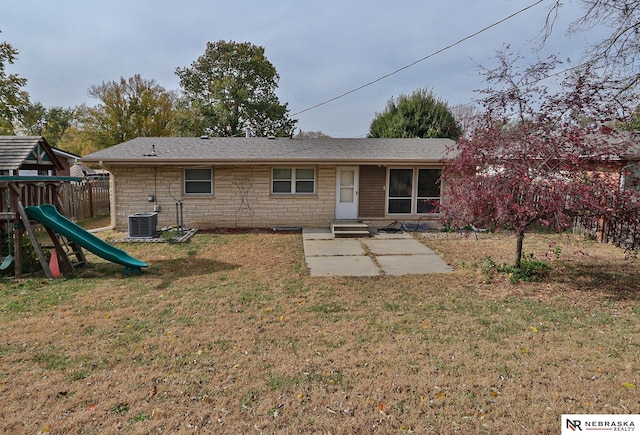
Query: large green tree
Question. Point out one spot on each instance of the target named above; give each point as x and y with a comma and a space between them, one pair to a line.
420, 114
12, 96
229, 89
52, 123
129, 108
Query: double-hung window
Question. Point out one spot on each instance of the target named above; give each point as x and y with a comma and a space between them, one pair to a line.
413, 190
295, 180
198, 181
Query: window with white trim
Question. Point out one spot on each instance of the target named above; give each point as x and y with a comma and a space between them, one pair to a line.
293, 180
413, 190
198, 181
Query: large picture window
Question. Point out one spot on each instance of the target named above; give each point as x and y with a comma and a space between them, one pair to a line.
413, 190
198, 181
293, 180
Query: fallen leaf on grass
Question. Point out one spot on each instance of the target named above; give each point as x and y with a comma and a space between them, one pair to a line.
629, 385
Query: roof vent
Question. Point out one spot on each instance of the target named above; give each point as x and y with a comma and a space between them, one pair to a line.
204, 136
153, 152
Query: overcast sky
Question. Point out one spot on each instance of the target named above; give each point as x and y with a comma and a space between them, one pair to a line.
321, 49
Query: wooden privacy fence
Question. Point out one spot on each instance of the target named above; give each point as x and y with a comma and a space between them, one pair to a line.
85, 199
622, 232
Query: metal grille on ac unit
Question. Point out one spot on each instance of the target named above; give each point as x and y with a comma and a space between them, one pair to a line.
143, 225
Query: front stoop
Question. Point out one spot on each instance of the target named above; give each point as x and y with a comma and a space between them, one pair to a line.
349, 229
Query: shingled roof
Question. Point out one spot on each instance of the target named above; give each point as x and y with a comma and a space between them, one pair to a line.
27, 152
216, 150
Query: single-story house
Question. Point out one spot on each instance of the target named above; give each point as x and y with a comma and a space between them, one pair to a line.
274, 182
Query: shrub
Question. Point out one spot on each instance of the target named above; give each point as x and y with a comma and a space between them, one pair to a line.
530, 269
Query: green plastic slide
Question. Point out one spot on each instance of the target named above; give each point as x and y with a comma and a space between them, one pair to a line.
48, 216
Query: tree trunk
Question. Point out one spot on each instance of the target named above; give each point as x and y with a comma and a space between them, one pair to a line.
520, 240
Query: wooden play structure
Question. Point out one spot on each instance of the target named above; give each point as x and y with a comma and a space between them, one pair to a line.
19, 192
35, 199
27, 199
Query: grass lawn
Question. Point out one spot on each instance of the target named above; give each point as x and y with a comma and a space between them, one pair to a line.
229, 334
100, 221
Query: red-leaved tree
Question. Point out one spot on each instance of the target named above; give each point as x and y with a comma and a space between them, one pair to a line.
537, 156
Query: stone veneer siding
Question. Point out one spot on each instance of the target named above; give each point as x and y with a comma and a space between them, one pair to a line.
132, 185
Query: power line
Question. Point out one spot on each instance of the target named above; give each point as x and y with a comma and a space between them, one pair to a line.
419, 60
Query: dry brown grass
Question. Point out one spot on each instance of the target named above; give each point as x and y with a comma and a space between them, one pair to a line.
229, 334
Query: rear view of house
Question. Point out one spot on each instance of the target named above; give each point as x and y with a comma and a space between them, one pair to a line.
272, 182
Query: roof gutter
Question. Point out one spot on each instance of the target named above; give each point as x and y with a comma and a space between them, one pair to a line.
230, 162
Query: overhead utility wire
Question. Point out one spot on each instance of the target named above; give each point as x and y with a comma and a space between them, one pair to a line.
420, 60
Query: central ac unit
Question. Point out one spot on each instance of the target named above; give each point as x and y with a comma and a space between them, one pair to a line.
143, 225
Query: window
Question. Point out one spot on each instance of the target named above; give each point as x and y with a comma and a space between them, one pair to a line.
413, 190
198, 181
293, 180
400, 190
428, 198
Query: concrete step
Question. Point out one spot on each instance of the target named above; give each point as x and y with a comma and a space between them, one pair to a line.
351, 233
350, 229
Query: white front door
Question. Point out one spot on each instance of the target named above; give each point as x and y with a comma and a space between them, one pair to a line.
347, 193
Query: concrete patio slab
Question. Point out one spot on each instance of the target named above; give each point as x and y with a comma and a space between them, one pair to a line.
335, 247
317, 234
355, 265
389, 236
384, 253
412, 264
397, 247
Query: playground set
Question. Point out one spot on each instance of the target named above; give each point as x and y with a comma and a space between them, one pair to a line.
27, 199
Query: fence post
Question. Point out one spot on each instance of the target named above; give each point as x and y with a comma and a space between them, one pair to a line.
91, 207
